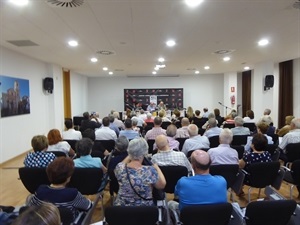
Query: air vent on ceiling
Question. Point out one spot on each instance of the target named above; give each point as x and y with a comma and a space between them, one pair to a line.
23, 43
105, 52
223, 51
296, 4
65, 3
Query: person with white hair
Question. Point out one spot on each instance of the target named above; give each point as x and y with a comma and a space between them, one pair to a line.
224, 154
239, 129
293, 136
118, 122
212, 128
136, 181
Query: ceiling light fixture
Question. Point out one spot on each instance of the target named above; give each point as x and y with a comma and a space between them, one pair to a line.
73, 43
154, 72
246, 68
19, 2
206, 67
94, 59
226, 58
161, 59
110, 73
105, 68
156, 68
170, 43
197, 72
193, 3
263, 42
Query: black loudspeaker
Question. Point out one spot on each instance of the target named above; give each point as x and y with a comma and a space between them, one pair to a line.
269, 81
48, 84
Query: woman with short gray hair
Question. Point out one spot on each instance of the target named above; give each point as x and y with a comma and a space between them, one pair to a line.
136, 181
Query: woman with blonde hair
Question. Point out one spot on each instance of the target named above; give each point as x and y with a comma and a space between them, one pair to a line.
190, 113
285, 129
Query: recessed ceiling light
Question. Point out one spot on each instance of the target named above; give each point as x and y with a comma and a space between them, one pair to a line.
154, 72
170, 43
105, 68
110, 73
73, 43
161, 59
156, 68
206, 67
263, 42
246, 68
193, 3
94, 59
226, 58
197, 72
19, 2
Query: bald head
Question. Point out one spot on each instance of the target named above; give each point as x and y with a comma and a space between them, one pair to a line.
161, 142
185, 122
200, 161
193, 130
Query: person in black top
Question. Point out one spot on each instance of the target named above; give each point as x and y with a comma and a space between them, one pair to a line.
87, 123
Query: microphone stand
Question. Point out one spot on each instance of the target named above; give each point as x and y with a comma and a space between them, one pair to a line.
226, 107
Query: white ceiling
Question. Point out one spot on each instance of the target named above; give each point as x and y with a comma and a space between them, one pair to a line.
136, 31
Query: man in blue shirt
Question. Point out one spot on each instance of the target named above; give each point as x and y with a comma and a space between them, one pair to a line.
203, 188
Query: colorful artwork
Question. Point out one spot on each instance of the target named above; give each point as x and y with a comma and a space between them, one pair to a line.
14, 96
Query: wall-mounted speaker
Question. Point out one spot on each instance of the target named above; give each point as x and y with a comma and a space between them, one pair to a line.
269, 82
48, 84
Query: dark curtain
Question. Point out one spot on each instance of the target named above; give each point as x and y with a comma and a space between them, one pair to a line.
246, 91
285, 105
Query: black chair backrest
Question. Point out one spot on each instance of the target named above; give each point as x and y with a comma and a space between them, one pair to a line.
229, 172
66, 215
177, 124
214, 141
150, 146
213, 214
293, 152
275, 138
107, 144
251, 126
149, 126
165, 124
295, 171
72, 143
58, 153
240, 150
263, 174
32, 178
181, 142
131, 215
228, 125
269, 212
86, 180
274, 153
172, 175
239, 139
201, 122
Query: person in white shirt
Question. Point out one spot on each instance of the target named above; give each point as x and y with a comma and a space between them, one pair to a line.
105, 133
71, 133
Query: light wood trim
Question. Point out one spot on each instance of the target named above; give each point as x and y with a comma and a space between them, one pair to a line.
67, 93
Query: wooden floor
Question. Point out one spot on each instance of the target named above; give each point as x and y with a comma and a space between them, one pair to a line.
13, 193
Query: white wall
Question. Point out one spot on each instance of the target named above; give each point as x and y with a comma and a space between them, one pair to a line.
199, 91
46, 110
79, 92
230, 81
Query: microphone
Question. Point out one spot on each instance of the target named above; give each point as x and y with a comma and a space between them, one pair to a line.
220, 103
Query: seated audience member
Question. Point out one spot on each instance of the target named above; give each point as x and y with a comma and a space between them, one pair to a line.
182, 132
162, 114
156, 130
98, 149
205, 112
87, 123
230, 118
56, 143
212, 128
140, 121
267, 113
249, 118
96, 117
293, 136
118, 122
224, 154
195, 141
257, 155
85, 160
112, 125
143, 115
43, 214
262, 129
171, 132
190, 113
71, 133
176, 116
285, 129
39, 158
161, 106
135, 127
203, 188
165, 156
151, 107
211, 115
129, 132
135, 180
239, 129
105, 133
149, 118
119, 153
219, 118
268, 120
59, 173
